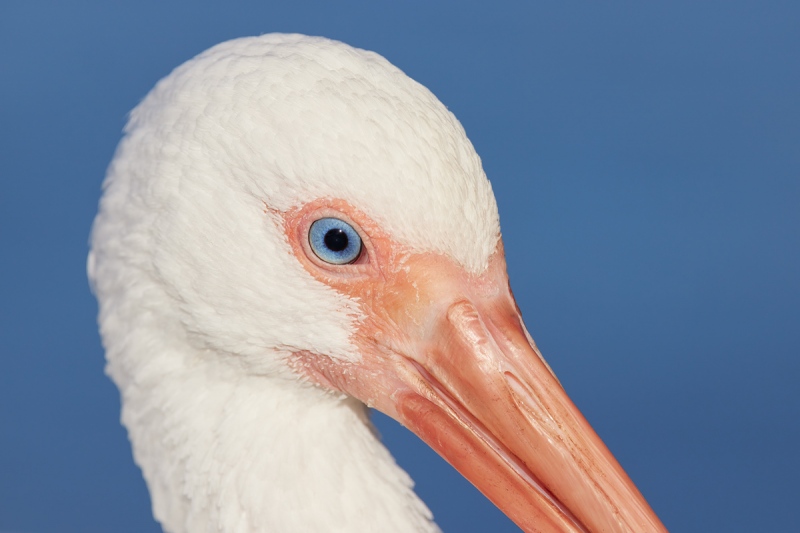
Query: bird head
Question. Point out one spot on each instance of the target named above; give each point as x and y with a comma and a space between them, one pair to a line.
305, 211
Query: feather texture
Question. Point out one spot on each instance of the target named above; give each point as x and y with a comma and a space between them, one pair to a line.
201, 301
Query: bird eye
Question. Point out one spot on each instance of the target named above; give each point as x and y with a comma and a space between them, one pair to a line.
334, 241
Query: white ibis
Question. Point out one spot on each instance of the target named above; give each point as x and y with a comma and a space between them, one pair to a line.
292, 230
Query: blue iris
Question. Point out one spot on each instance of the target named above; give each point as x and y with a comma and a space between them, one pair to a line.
334, 241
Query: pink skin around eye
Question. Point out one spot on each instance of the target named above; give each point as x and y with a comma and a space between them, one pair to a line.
297, 223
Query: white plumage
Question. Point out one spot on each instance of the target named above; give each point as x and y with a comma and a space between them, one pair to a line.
201, 300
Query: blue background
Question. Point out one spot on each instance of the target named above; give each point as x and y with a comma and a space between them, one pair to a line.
646, 160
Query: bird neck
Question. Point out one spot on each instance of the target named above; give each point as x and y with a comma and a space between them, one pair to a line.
222, 451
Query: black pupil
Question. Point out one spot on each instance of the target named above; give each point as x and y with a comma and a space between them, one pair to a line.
336, 240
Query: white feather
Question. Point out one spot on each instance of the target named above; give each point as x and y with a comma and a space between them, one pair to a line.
201, 300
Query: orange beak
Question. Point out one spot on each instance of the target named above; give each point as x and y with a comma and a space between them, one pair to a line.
446, 354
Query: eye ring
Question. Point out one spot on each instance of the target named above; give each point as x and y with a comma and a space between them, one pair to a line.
334, 241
